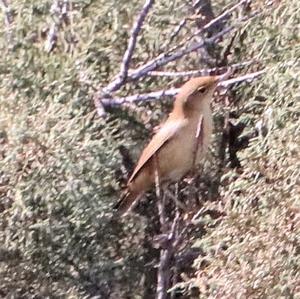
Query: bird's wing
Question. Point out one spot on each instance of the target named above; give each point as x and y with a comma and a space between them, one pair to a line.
165, 134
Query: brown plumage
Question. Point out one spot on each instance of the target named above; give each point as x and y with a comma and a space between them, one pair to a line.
180, 143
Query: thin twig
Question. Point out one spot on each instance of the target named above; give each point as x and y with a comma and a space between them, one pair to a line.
172, 234
227, 51
51, 41
161, 203
164, 58
132, 41
157, 95
118, 82
247, 77
204, 72
199, 140
220, 17
164, 269
146, 97
126, 75
160, 197
157, 178
52, 36
210, 24
176, 31
178, 203
8, 18
61, 15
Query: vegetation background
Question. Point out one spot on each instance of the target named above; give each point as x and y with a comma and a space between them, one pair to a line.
60, 163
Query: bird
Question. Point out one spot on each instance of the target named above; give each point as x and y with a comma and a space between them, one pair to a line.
179, 145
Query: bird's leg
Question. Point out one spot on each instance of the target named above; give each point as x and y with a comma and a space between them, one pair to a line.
162, 214
178, 203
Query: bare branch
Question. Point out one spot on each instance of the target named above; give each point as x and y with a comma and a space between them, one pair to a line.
247, 77
132, 41
166, 254
172, 234
146, 97
221, 16
204, 72
61, 15
8, 18
118, 82
199, 140
99, 106
176, 31
177, 52
160, 198
102, 98
210, 24
51, 41
157, 95
165, 58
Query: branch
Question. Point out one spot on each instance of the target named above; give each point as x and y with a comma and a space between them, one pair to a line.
247, 77
118, 82
165, 58
146, 97
175, 32
220, 17
211, 23
102, 96
8, 17
166, 254
160, 198
205, 72
51, 41
199, 140
157, 95
61, 15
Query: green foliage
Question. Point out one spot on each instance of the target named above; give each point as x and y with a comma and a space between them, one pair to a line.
58, 163
254, 251
58, 160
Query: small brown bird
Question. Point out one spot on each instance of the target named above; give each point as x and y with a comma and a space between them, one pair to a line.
180, 143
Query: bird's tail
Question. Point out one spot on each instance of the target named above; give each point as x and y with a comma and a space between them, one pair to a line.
126, 202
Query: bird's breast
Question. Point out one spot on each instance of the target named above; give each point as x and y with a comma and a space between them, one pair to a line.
178, 157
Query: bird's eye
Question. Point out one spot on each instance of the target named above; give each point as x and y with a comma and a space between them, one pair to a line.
201, 89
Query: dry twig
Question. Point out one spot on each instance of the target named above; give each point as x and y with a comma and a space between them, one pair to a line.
125, 75
165, 58
179, 51
8, 17
204, 72
166, 254
60, 12
122, 76
157, 95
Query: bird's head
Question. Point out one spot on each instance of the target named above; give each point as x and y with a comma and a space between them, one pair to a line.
197, 92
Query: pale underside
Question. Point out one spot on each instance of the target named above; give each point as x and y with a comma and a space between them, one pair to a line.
170, 154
